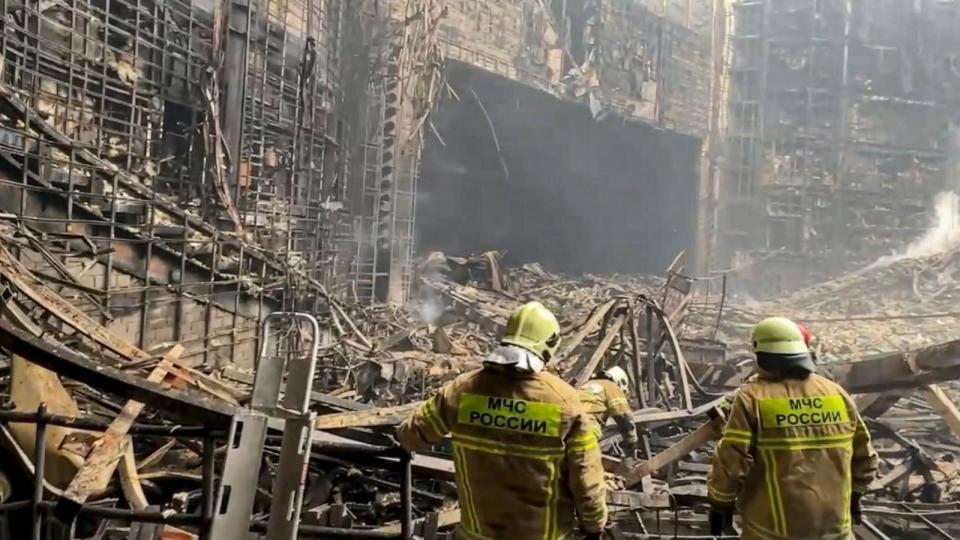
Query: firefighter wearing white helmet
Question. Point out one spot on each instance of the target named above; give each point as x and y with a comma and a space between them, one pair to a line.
795, 455
606, 397
527, 461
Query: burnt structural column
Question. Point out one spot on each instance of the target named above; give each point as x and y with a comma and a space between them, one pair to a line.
236, 47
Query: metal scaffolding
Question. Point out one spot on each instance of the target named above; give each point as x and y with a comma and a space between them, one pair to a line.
187, 179
834, 147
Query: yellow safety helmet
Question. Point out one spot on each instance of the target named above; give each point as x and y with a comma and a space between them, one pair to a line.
533, 328
778, 335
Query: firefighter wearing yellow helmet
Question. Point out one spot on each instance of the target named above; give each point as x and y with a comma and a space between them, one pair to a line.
606, 397
527, 461
795, 455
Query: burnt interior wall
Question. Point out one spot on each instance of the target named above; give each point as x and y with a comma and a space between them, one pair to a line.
575, 194
840, 116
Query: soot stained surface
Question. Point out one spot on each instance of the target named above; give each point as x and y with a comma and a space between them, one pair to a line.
581, 196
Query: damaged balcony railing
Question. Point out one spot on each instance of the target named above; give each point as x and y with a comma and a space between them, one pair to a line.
63, 510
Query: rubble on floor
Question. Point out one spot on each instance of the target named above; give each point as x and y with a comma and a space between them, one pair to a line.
374, 364
897, 303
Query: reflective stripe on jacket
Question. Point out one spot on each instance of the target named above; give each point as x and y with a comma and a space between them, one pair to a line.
603, 399
526, 459
790, 455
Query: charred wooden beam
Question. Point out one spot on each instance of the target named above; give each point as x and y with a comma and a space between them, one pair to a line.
582, 373
61, 359
697, 439
910, 369
941, 402
108, 449
386, 416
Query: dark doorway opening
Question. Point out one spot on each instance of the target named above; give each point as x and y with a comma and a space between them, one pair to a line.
573, 193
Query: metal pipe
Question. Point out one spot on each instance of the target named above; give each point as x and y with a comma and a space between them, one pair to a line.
346, 449
870, 526
316, 531
115, 514
723, 300
209, 486
633, 321
929, 523
39, 457
651, 357
406, 497
92, 424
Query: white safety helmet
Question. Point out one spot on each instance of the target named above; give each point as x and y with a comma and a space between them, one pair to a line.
619, 376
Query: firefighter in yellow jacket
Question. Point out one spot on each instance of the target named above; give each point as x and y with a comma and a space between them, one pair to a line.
606, 397
527, 461
795, 456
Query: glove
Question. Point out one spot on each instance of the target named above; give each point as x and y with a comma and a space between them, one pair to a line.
856, 513
719, 518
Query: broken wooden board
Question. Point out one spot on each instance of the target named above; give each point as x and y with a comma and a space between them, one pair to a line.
31, 385
385, 416
65, 447
910, 369
694, 441
581, 374
875, 405
190, 408
591, 325
434, 467
656, 416
941, 402
109, 449
25, 282
130, 479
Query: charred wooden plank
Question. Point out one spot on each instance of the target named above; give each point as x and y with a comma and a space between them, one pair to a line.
581, 374
108, 449
911, 369
385, 416
192, 409
697, 439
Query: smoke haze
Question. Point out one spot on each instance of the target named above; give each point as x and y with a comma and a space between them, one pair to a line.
944, 233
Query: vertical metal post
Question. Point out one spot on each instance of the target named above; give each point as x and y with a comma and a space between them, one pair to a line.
234, 87
406, 495
723, 300
209, 485
651, 357
635, 364
39, 456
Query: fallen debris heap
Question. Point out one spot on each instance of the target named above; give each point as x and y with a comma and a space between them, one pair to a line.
141, 444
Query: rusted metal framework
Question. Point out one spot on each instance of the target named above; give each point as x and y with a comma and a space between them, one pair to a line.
837, 132
183, 166
44, 510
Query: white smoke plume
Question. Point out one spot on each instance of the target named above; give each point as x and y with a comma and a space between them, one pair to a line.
430, 308
428, 305
944, 233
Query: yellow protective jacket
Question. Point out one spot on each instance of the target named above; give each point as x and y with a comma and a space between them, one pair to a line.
526, 458
603, 399
790, 455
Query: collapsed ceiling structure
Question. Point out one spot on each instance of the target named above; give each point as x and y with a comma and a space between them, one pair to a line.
178, 177
374, 367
